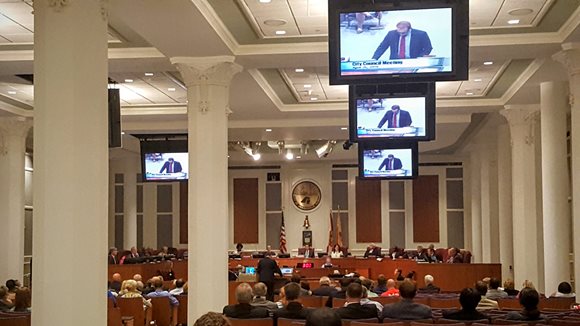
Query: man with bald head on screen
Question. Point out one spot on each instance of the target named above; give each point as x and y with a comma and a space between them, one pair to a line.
405, 42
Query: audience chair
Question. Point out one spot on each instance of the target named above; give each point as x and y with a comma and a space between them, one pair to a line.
336, 302
14, 321
390, 323
251, 322
564, 322
162, 311
132, 307
287, 322
348, 322
182, 309
298, 322
414, 323
386, 300
423, 300
446, 303
366, 323
516, 322
509, 303
556, 303
420, 322
443, 321
313, 301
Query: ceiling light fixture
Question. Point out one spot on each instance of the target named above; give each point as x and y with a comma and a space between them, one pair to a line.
257, 156
12, 92
477, 80
149, 74
280, 32
513, 21
122, 132
488, 63
469, 93
128, 80
171, 89
314, 98
268, 130
289, 155
325, 149
307, 86
343, 128
299, 70
298, 157
265, 1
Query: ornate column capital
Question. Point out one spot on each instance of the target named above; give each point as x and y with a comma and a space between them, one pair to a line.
217, 71
524, 117
569, 57
12, 127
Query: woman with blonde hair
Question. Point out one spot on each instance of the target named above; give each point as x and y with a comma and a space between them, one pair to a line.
212, 319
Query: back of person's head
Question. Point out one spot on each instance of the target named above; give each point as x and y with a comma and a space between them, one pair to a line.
345, 282
292, 291
305, 285
407, 290
354, 291
325, 280
130, 285
469, 299
391, 284
429, 279
244, 293
185, 288
212, 319
139, 286
295, 278
11, 285
179, 283
23, 299
565, 288
260, 289
509, 284
158, 283
382, 280
3, 292
323, 317
367, 283
494, 283
529, 299
481, 288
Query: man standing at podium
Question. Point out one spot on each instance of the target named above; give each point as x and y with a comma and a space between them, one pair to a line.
405, 43
396, 118
391, 163
267, 268
171, 166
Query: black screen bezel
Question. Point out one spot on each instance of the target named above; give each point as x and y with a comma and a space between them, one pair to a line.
413, 146
161, 146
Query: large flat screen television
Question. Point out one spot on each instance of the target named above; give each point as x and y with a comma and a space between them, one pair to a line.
392, 112
164, 160
392, 41
395, 161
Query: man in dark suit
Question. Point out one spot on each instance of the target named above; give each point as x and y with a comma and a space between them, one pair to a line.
396, 118
243, 309
308, 252
429, 288
391, 163
324, 290
373, 250
406, 309
353, 308
293, 309
405, 43
171, 166
112, 258
134, 253
266, 269
469, 299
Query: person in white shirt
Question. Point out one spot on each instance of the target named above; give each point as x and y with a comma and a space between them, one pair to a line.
178, 287
564, 291
336, 252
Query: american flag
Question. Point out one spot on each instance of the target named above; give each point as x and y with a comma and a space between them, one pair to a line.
330, 233
339, 239
283, 236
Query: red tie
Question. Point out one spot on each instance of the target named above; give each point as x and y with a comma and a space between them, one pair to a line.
391, 165
395, 120
402, 46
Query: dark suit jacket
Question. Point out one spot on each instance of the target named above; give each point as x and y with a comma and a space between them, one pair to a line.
358, 311
294, 310
377, 250
176, 167
266, 269
324, 291
112, 260
407, 310
245, 311
420, 45
302, 251
429, 289
404, 119
396, 165
463, 315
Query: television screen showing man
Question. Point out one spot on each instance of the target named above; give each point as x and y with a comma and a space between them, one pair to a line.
166, 166
402, 117
388, 163
391, 163
405, 41
171, 166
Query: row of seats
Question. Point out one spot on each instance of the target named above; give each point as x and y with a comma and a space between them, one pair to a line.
161, 312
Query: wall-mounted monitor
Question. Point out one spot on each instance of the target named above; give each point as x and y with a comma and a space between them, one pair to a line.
392, 112
394, 41
164, 160
396, 161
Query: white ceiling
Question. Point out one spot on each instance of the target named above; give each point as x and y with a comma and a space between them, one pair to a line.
497, 13
481, 79
140, 89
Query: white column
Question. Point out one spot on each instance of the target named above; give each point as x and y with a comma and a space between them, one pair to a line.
504, 194
475, 180
207, 81
521, 120
70, 163
131, 166
555, 183
13, 133
489, 219
570, 58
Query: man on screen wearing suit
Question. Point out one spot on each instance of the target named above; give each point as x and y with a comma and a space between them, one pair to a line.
396, 118
391, 163
171, 166
405, 43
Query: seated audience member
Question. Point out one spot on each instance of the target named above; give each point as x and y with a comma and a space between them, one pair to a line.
368, 284
392, 290
398, 274
469, 299
132, 292
429, 288
381, 284
421, 254
327, 263
159, 292
292, 309
323, 317
372, 251
133, 254
243, 309
494, 292
113, 256
406, 309
239, 248
484, 303
12, 286
432, 256
298, 280
117, 282
325, 289
259, 300
304, 285
138, 278
454, 256
529, 300
353, 308
5, 304
510, 287
564, 291
178, 287
212, 319
164, 251
366, 301
336, 252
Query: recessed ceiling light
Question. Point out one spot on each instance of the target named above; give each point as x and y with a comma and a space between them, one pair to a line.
477, 80
488, 63
469, 93
520, 11
122, 132
149, 74
268, 130
289, 156
171, 89
513, 21
314, 98
257, 157
265, 1
307, 86
275, 22
298, 157
298, 70
280, 32
12, 92
128, 80
343, 128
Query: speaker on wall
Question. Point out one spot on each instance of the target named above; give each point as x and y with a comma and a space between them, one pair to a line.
114, 118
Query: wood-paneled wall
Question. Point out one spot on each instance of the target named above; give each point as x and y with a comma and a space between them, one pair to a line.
368, 211
426, 208
246, 223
